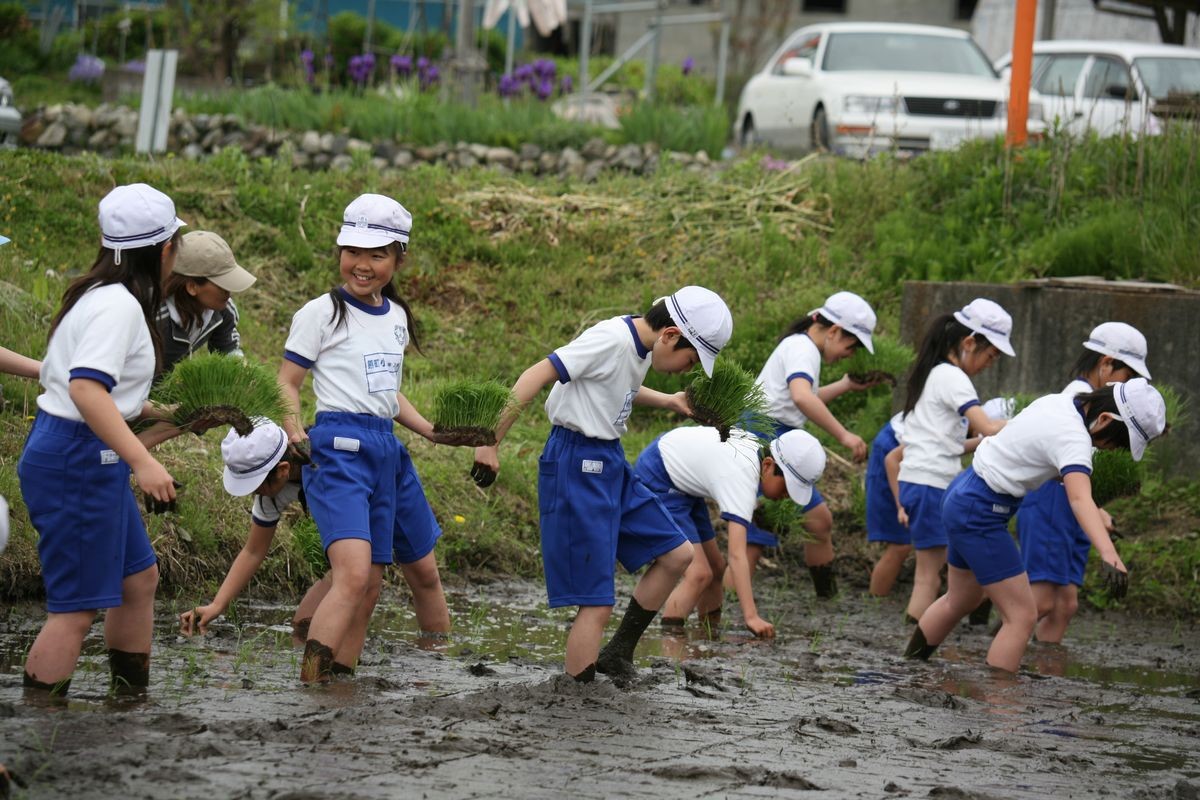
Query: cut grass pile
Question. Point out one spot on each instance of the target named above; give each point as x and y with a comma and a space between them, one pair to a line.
210, 389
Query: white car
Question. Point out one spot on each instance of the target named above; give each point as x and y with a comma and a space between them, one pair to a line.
860, 88
1111, 88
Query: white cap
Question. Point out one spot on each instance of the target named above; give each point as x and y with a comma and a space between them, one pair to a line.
373, 220
1000, 407
1121, 341
988, 318
4, 240
852, 313
136, 216
704, 319
249, 459
1143, 412
3, 524
802, 459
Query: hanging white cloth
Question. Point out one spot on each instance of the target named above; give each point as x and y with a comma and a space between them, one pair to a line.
545, 14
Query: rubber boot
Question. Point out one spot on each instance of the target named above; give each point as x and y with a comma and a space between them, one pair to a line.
918, 647
129, 673
981, 613
587, 675
317, 664
58, 689
616, 658
824, 581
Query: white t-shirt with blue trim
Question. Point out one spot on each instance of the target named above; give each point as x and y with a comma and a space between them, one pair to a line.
104, 338
1045, 441
357, 365
934, 431
267, 510
599, 374
794, 358
701, 465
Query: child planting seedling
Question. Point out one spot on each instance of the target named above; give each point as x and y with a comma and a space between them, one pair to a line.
890, 359
467, 413
730, 396
213, 389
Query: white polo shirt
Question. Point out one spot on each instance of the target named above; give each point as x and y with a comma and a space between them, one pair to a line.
103, 337
934, 431
1078, 386
898, 427
356, 366
599, 374
795, 358
701, 465
1045, 441
267, 510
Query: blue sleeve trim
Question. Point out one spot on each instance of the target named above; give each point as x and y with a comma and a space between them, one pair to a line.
739, 520
262, 523
962, 410
560, 368
803, 375
103, 378
296, 358
1075, 468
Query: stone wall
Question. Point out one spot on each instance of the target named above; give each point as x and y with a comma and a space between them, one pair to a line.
110, 130
1051, 320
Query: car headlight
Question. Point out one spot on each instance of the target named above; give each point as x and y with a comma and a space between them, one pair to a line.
868, 104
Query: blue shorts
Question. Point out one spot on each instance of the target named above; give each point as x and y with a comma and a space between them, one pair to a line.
923, 504
689, 512
594, 512
416, 528
351, 492
755, 534
1053, 546
90, 534
976, 521
882, 525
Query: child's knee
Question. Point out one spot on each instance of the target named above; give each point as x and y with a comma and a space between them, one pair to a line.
354, 580
819, 522
423, 576
141, 586
699, 573
679, 559
1068, 604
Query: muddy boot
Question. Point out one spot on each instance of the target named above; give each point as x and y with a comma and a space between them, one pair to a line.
587, 675
34, 686
341, 671
824, 581
909, 619
300, 629
616, 658
710, 623
981, 613
918, 647
129, 673
317, 664
672, 626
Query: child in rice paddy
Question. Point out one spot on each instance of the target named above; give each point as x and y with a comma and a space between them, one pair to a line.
594, 510
688, 466
1054, 436
791, 379
882, 524
1053, 546
198, 307
265, 465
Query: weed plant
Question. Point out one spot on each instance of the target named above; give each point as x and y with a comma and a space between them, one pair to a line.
213, 388
471, 409
730, 396
306, 546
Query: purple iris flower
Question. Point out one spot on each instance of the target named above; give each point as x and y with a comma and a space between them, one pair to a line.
86, 69
524, 73
545, 88
544, 68
689, 64
430, 77
508, 86
566, 85
422, 63
402, 65
306, 58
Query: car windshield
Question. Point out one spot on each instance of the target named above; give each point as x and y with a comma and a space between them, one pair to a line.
904, 52
1164, 76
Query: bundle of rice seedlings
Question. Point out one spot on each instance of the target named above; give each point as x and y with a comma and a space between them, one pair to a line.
306, 545
729, 398
890, 360
467, 413
214, 389
783, 518
1114, 475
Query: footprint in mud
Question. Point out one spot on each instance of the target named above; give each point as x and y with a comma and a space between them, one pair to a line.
737, 776
931, 698
955, 793
959, 742
827, 724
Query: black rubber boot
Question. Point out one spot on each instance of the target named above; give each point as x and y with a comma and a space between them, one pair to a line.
616, 658
918, 647
129, 673
317, 664
341, 669
909, 619
587, 675
59, 689
981, 613
824, 581
672, 625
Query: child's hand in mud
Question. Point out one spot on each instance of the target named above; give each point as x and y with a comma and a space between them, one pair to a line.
156, 506
902, 516
761, 628
1116, 579
199, 617
8, 779
486, 467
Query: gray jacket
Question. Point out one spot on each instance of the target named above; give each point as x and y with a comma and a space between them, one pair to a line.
219, 332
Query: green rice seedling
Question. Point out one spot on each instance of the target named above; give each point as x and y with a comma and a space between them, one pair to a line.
306, 545
1115, 474
213, 389
890, 360
783, 518
731, 396
467, 413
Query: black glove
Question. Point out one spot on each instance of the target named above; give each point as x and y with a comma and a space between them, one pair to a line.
483, 475
156, 506
302, 452
1116, 583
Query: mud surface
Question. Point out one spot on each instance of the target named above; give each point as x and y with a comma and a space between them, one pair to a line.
828, 710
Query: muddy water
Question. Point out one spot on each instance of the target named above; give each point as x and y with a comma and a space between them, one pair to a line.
828, 710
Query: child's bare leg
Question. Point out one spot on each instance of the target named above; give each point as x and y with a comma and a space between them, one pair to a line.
1052, 626
818, 554
583, 642
1014, 601
429, 601
713, 595
963, 595
662, 576
683, 600
350, 560
55, 651
927, 581
887, 569
308, 606
346, 656
128, 630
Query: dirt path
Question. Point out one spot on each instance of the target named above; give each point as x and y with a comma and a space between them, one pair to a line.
830, 710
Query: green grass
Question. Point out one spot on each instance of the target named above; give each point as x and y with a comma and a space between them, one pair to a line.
471, 405
211, 387
729, 397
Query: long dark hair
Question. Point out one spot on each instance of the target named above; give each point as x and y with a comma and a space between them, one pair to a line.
140, 271
1096, 403
941, 338
1088, 361
191, 310
398, 250
802, 325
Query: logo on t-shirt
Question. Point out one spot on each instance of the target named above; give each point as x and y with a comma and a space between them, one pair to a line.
626, 409
382, 370
401, 334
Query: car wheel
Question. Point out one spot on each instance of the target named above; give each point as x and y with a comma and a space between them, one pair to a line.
749, 134
820, 130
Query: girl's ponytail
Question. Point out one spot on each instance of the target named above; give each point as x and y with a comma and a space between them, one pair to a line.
802, 324
941, 338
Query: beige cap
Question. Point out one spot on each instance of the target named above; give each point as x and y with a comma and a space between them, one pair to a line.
203, 254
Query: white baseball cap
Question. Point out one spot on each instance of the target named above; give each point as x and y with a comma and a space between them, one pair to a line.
1121, 341
204, 254
249, 459
1000, 407
852, 313
3, 524
373, 220
4, 240
802, 459
988, 318
704, 319
136, 216
1143, 412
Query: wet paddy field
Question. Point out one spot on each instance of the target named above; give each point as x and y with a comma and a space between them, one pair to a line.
827, 710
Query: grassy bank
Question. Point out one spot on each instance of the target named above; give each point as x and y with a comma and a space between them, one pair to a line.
502, 270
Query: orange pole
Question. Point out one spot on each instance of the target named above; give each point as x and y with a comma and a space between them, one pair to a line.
1022, 66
